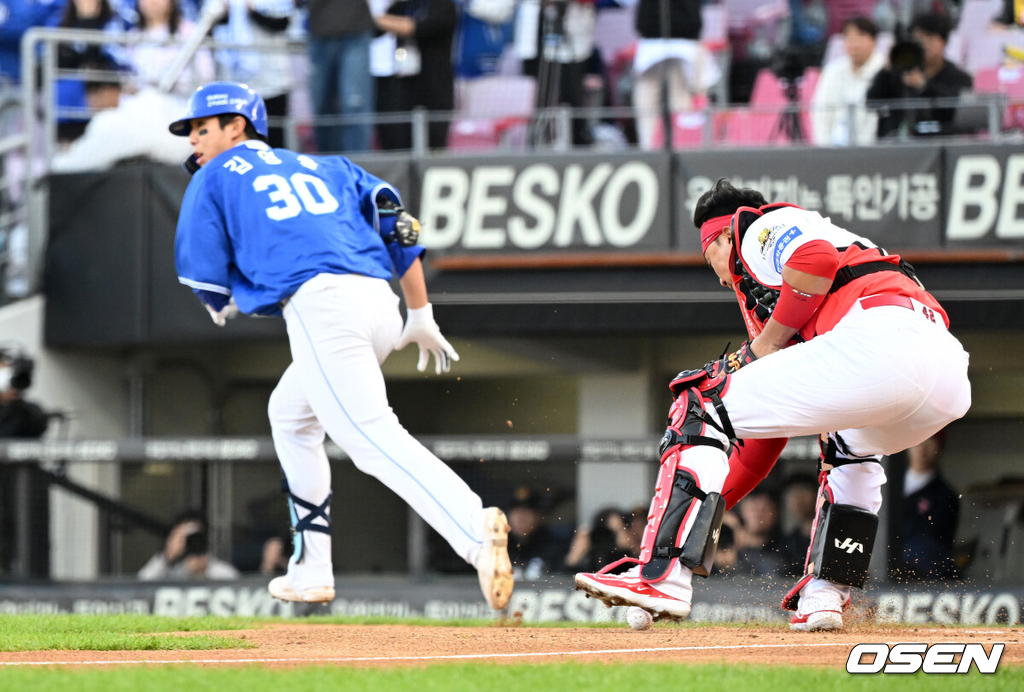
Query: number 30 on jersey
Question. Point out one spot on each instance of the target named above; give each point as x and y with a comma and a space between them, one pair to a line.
313, 195
289, 195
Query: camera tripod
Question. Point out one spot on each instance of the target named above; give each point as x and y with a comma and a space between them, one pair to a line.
544, 128
788, 125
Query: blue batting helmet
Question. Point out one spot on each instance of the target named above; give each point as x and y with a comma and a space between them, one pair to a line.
217, 98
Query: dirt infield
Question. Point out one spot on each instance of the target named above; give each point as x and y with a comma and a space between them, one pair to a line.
396, 645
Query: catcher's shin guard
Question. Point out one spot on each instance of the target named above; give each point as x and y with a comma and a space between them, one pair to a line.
842, 540
670, 534
300, 526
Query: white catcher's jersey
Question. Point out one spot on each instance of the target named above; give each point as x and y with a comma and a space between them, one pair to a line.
770, 241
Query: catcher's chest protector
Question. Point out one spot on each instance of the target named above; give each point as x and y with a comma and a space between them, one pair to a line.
758, 298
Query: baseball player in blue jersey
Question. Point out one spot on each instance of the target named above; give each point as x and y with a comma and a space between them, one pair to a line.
316, 239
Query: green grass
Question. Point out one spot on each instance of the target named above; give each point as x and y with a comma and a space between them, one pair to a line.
560, 677
116, 632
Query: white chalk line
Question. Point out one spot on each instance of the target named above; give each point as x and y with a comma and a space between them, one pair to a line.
449, 657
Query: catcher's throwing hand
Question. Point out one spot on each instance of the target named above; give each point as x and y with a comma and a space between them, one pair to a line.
421, 328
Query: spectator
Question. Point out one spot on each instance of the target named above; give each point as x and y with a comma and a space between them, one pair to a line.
799, 499
669, 56
930, 511
17, 17
275, 556
533, 549
267, 72
484, 30
727, 552
636, 522
756, 540
919, 69
423, 73
186, 554
19, 417
95, 15
602, 543
340, 32
808, 30
160, 20
125, 126
842, 89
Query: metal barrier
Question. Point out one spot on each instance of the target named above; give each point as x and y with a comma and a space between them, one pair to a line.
543, 129
14, 234
235, 482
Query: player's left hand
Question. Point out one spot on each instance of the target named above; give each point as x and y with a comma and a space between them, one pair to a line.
220, 317
421, 328
407, 229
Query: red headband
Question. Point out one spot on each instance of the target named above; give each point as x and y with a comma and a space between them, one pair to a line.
711, 229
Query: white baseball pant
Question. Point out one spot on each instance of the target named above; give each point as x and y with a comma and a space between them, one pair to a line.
887, 378
341, 327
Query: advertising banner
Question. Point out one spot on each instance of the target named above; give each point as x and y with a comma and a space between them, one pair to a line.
891, 195
611, 202
984, 190
551, 599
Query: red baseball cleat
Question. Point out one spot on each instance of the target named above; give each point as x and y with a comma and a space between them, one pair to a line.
628, 589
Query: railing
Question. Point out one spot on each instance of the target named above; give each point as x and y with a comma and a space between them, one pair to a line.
524, 127
15, 239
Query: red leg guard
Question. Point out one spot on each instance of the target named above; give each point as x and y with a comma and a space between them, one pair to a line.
678, 487
749, 464
791, 600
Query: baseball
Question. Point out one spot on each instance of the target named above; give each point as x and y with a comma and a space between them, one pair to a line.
638, 618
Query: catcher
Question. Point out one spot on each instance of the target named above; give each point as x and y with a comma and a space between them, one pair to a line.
845, 344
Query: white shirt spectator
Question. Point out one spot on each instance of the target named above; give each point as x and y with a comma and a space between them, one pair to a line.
135, 128
158, 569
268, 72
841, 87
150, 60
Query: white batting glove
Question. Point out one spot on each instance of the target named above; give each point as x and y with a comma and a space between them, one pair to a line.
220, 317
421, 328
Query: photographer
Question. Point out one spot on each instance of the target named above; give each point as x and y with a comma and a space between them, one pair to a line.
918, 69
18, 416
186, 554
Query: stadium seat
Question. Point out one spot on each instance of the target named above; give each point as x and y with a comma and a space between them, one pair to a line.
808, 83
1008, 81
841, 10
761, 123
980, 47
491, 107
687, 127
614, 30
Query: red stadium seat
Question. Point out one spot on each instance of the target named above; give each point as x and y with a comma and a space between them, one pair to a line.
491, 108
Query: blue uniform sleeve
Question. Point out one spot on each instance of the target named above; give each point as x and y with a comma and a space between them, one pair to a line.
202, 248
403, 257
369, 187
